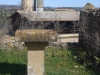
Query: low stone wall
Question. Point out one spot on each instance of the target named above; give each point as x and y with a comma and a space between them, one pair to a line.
8, 42
89, 33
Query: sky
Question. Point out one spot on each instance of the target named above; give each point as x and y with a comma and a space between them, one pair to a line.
57, 3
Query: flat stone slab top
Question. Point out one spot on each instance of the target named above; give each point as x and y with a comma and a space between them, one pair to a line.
36, 35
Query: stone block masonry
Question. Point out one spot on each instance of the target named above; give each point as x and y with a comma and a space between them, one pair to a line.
89, 34
27, 5
36, 41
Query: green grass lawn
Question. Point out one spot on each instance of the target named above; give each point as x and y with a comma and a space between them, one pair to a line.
57, 62
61, 62
13, 62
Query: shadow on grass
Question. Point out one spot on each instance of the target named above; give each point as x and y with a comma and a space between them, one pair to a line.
12, 69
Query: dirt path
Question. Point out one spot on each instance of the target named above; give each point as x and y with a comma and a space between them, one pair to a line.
69, 40
66, 37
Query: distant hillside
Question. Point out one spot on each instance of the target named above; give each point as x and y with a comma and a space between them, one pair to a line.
76, 8
45, 8
52, 8
10, 6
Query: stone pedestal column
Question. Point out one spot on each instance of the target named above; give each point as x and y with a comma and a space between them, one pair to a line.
27, 5
36, 41
39, 5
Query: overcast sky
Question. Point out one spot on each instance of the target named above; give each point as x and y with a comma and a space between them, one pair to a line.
57, 3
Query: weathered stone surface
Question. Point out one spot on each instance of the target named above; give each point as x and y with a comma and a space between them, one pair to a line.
89, 34
88, 6
8, 42
49, 15
36, 57
59, 44
27, 5
36, 35
36, 41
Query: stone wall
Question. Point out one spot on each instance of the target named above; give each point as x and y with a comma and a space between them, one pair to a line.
89, 33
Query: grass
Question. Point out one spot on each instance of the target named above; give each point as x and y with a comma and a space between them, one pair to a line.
57, 62
61, 62
13, 56
13, 62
